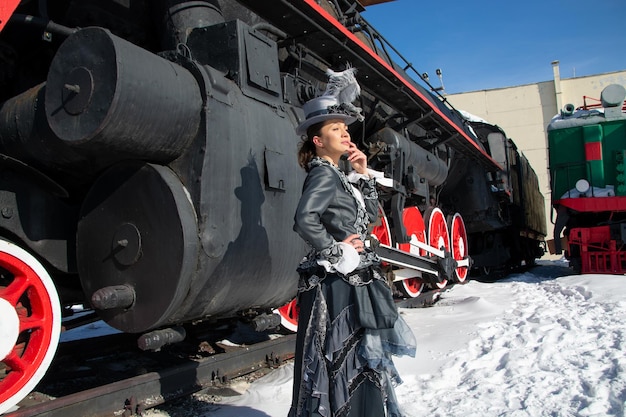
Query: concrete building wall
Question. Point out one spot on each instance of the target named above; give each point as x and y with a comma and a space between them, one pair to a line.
525, 111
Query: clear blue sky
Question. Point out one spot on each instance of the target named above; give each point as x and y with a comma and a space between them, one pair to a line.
488, 44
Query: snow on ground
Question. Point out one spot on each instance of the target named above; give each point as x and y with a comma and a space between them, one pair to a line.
534, 344
531, 348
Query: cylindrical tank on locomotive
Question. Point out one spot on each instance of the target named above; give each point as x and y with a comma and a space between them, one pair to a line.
587, 154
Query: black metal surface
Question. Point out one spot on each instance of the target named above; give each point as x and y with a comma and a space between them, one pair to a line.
25, 134
115, 296
146, 239
426, 165
100, 88
228, 177
245, 55
155, 340
180, 17
25, 194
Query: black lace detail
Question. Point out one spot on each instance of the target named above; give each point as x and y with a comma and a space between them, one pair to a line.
364, 376
368, 189
314, 341
349, 346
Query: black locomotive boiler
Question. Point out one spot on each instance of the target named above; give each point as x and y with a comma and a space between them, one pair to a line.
148, 166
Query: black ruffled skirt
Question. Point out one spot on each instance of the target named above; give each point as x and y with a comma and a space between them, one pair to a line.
342, 369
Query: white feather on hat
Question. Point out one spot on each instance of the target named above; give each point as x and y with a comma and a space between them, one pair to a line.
336, 101
343, 85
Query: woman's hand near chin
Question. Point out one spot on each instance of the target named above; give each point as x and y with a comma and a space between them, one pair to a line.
357, 159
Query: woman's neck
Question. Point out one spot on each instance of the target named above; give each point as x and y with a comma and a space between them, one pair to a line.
329, 159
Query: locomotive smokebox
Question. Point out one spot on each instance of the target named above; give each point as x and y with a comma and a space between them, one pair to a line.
115, 100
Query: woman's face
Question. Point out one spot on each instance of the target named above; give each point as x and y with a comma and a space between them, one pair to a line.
333, 139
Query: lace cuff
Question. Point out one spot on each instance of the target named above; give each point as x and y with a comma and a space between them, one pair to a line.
377, 176
341, 257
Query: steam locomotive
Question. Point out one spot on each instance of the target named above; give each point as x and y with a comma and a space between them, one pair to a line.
587, 151
149, 168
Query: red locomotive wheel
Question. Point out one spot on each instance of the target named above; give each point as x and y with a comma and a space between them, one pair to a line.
411, 287
289, 316
30, 323
381, 231
458, 238
414, 225
438, 235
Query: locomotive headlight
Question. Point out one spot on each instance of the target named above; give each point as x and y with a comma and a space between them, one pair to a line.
582, 186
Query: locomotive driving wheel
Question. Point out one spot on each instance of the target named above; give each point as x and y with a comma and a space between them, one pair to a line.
30, 323
289, 315
438, 235
458, 243
414, 226
381, 229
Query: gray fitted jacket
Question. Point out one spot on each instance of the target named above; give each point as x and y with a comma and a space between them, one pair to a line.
329, 210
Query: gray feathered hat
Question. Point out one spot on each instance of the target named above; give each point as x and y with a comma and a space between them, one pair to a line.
336, 102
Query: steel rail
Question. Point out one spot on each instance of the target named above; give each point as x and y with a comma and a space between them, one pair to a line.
154, 388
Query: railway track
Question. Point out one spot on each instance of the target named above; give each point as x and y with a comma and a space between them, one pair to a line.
109, 376
129, 395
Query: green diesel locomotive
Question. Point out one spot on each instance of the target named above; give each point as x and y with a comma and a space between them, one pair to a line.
587, 156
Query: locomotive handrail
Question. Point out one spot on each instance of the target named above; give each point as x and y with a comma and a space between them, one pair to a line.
597, 105
385, 79
412, 87
393, 72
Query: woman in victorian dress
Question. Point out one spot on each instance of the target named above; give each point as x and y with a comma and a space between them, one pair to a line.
341, 367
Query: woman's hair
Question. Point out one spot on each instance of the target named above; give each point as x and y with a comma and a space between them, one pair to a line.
307, 151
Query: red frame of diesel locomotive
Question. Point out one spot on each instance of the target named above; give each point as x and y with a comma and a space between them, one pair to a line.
599, 253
